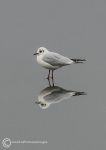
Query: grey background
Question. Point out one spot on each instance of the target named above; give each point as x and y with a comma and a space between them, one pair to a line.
75, 28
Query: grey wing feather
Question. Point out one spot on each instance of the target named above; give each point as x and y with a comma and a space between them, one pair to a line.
56, 59
56, 95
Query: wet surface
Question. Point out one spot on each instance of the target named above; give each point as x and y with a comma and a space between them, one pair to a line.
55, 94
72, 28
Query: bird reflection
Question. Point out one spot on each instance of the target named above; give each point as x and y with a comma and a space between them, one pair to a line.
55, 94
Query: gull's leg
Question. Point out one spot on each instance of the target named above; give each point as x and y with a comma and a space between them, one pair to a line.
53, 82
52, 74
48, 75
52, 78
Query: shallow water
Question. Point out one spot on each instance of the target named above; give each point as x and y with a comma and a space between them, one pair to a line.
75, 29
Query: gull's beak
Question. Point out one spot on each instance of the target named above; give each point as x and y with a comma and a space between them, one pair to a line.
35, 53
37, 102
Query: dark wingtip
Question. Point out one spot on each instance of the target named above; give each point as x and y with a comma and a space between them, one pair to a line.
78, 60
79, 93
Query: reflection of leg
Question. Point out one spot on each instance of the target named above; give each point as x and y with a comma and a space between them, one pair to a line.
52, 82
49, 82
52, 78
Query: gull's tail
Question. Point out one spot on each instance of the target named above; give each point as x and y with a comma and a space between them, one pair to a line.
78, 60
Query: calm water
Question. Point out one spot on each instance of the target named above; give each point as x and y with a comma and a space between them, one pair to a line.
74, 29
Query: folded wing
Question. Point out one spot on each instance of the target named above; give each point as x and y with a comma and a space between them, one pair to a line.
56, 59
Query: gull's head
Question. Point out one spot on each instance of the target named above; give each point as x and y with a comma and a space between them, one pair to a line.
43, 105
40, 51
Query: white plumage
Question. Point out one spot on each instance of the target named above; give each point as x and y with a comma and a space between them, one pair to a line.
52, 60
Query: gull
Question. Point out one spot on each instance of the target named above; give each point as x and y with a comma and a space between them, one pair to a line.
52, 60
55, 94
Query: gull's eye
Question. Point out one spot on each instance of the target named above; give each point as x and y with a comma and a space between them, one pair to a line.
42, 104
40, 51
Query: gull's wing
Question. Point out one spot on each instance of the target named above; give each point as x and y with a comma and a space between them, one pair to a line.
57, 95
56, 59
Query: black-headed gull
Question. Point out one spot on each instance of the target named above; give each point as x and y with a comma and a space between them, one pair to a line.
55, 94
52, 61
